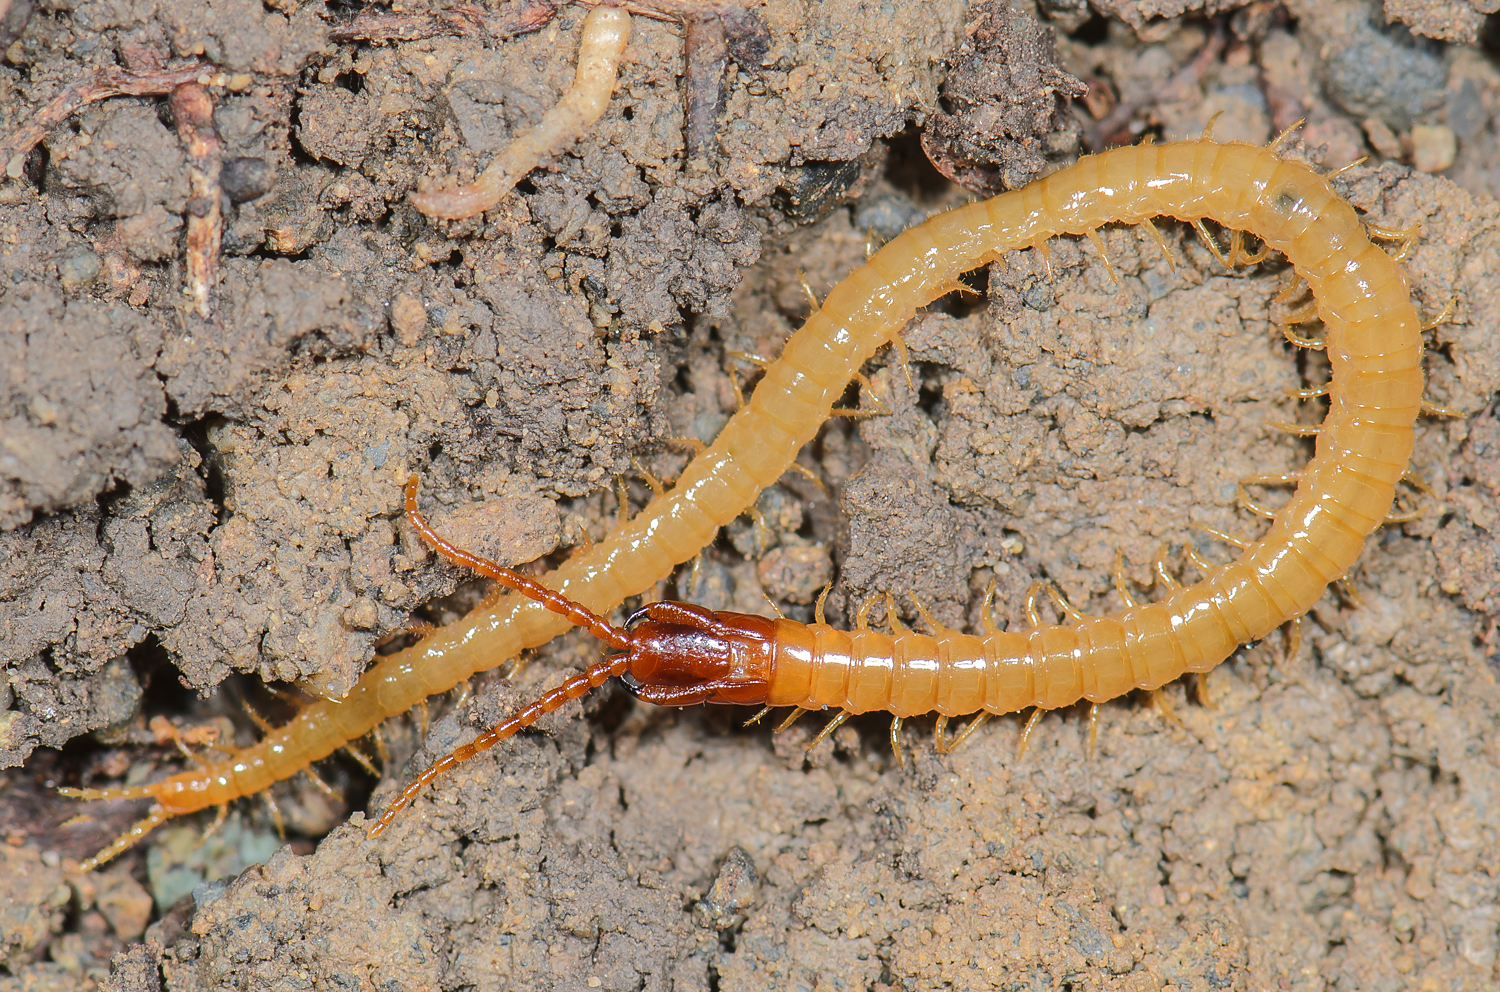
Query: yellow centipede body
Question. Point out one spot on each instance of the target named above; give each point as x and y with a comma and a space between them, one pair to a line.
1374, 347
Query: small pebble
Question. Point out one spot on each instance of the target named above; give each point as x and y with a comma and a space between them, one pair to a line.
408, 319
78, 268
246, 178
1433, 147
732, 892
1382, 138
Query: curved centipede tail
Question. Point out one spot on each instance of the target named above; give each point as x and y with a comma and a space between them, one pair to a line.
590, 678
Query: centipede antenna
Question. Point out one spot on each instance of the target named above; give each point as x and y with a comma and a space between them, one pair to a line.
554, 601
1281, 139
896, 742
571, 688
828, 728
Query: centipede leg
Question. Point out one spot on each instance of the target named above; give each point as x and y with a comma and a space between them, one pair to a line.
757, 717
1121, 586
1213, 246
1291, 640
320, 785
1442, 315
1161, 243
791, 719
896, 742
986, 610
221, 813
1200, 691
360, 758
1160, 701
155, 817
945, 746
828, 728
1281, 139
903, 354
1093, 235
1093, 729
276, 817
1036, 718
1433, 410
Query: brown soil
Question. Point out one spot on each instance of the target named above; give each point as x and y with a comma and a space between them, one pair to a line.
216, 502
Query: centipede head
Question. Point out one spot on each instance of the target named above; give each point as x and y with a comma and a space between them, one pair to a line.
682, 655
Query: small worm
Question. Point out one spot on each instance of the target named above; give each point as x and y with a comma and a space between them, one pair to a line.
606, 31
1374, 346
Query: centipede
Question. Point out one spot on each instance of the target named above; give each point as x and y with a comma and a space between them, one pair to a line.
678, 654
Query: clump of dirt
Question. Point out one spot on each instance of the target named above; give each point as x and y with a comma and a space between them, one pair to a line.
223, 496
